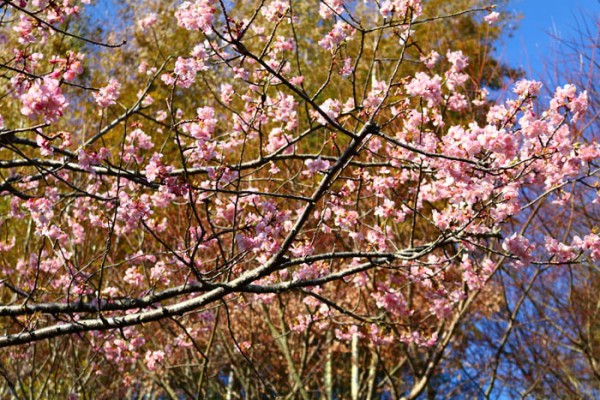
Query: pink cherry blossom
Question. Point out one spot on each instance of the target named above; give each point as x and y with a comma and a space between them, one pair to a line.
427, 87
196, 15
431, 59
154, 358
185, 71
402, 7
458, 60
329, 8
275, 9
340, 32
147, 21
347, 68
316, 166
108, 95
519, 247
492, 17
44, 98
524, 88
591, 244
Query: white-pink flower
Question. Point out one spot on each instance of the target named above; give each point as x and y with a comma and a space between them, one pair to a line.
340, 32
331, 108
519, 247
524, 88
44, 98
347, 68
329, 8
108, 95
492, 17
154, 358
155, 167
430, 59
186, 70
278, 140
458, 60
590, 243
429, 88
315, 165
147, 21
196, 15
401, 7
226, 93
275, 10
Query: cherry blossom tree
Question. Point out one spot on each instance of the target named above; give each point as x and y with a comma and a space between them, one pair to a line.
550, 345
249, 211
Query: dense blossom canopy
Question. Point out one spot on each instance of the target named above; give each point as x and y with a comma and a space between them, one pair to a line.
369, 197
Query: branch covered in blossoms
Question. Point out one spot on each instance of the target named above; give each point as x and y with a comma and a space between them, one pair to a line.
234, 175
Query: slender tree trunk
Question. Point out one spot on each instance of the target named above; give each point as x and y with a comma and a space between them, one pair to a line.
230, 386
355, 380
371, 380
328, 367
283, 346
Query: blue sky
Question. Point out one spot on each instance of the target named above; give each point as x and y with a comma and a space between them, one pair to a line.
532, 44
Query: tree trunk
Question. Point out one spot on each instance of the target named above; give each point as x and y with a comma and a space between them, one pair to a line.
355, 380
328, 369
